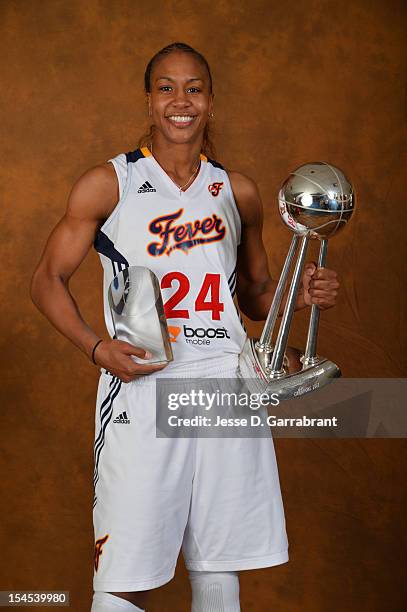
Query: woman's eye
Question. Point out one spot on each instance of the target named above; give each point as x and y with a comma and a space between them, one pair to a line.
167, 88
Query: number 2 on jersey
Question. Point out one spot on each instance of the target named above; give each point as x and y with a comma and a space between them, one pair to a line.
210, 285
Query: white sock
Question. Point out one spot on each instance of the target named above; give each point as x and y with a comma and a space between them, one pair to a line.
106, 602
214, 591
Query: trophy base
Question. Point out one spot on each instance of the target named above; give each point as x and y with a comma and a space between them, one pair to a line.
297, 379
152, 361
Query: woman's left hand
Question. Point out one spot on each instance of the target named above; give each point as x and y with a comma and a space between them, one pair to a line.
319, 286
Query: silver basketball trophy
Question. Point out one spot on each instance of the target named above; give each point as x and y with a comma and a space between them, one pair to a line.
137, 311
315, 201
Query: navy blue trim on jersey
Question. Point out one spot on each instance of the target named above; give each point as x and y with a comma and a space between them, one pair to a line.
105, 246
232, 282
215, 164
232, 286
106, 412
134, 156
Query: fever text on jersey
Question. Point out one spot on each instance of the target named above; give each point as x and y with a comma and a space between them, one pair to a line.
183, 236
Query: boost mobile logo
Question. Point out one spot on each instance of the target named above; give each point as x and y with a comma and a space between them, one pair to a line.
173, 331
199, 335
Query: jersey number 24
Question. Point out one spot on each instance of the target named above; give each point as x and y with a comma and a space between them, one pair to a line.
210, 285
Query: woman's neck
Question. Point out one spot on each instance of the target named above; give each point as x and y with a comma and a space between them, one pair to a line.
178, 160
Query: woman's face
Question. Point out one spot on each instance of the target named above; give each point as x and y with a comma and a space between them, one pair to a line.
180, 99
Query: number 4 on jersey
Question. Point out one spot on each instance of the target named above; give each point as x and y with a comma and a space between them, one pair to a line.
211, 284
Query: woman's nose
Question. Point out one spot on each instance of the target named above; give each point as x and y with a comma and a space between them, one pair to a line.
180, 96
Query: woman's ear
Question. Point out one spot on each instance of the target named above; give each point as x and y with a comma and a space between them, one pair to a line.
210, 111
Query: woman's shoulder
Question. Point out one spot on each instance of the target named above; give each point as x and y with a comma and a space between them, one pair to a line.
246, 195
245, 185
95, 193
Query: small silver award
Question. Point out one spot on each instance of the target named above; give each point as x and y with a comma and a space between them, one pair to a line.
315, 201
137, 311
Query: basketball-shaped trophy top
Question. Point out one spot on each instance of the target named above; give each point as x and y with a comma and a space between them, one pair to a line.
316, 198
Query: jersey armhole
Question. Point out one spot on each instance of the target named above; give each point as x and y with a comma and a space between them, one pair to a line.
123, 175
236, 209
121, 172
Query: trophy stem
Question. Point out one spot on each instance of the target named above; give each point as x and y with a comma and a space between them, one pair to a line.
310, 357
276, 370
265, 342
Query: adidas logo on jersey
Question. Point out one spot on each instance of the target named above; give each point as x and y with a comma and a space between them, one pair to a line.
122, 418
145, 188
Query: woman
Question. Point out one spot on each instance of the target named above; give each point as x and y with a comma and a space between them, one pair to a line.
169, 207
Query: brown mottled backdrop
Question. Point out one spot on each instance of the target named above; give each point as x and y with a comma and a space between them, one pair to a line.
295, 81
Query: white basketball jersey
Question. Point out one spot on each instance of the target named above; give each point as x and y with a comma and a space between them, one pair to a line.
189, 240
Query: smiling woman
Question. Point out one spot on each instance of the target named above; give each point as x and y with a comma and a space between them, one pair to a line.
195, 85
169, 207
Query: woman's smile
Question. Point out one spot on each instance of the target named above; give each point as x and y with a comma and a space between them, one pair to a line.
181, 121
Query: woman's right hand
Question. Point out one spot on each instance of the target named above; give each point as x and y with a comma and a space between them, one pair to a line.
114, 356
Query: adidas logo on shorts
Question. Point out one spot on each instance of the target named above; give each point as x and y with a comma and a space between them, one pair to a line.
145, 188
122, 418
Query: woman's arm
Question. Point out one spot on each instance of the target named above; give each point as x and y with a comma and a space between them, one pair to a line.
91, 201
255, 287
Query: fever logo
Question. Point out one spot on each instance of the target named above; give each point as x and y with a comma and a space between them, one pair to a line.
98, 549
215, 188
183, 236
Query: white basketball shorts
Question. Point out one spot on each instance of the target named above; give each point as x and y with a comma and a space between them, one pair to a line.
217, 498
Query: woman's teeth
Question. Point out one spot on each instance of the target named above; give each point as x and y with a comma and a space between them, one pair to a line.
181, 118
